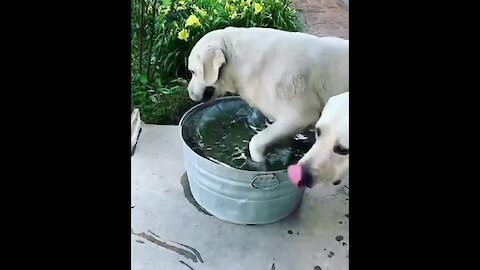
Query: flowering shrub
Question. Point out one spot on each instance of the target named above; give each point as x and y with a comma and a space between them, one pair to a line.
164, 32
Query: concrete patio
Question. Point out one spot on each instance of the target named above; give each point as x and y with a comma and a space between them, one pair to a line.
169, 231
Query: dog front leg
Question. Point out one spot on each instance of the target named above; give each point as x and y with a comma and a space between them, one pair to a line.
280, 129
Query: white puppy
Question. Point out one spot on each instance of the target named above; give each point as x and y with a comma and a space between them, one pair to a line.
328, 159
288, 76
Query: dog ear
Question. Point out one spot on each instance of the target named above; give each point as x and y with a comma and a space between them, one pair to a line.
212, 62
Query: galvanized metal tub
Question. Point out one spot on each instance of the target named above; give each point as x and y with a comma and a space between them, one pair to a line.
238, 196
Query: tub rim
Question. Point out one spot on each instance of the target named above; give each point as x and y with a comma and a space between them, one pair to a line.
206, 104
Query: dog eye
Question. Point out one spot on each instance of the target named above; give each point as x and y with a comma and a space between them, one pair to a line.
317, 132
341, 150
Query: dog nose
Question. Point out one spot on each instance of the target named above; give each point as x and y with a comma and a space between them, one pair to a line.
208, 93
299, 175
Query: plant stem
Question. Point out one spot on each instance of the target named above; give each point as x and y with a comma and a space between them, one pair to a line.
140, 37
152, 32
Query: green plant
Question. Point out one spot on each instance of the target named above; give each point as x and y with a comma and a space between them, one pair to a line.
163, 104
164, 32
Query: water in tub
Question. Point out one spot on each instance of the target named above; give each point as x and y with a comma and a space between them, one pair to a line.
221, 132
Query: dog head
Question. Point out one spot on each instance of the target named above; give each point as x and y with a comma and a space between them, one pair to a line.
328, 159
204, 62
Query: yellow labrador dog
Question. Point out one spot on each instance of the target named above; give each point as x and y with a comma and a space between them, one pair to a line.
288, 76
328, 159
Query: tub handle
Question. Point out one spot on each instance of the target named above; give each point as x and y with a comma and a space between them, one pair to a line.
265, 181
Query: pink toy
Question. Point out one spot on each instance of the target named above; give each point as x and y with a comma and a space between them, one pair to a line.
298, 176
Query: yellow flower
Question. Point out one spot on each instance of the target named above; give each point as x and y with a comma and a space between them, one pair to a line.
192, 20
183, 35
258, 8
202, 12
234, 15
215, 12
229, 8
246, 2
150, 9
181, 2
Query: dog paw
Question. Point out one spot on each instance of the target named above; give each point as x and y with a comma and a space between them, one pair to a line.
256, 149
257, 156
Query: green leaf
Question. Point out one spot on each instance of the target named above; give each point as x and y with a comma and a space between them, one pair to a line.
153, 99
143, 79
